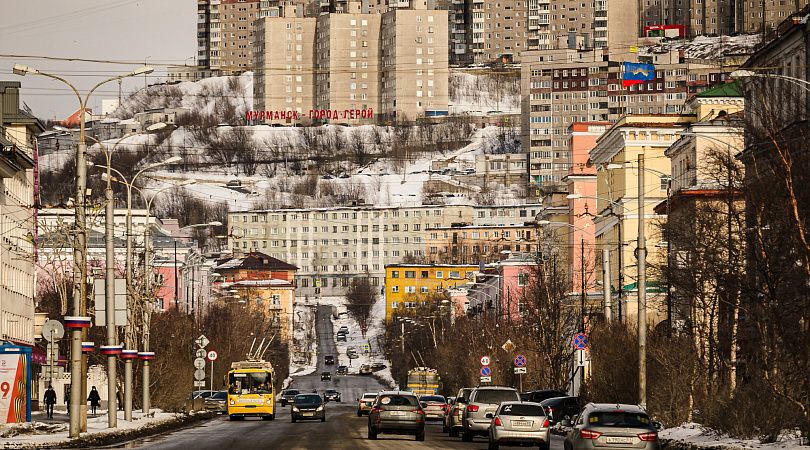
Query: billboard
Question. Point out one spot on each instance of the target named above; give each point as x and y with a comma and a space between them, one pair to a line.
15, 383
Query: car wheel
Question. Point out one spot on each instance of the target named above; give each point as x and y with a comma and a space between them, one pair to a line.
293, 420
323, 419
453, 432
544, 446
420, 437
466, 437
359, 413
492, 445
444, 428
372, 434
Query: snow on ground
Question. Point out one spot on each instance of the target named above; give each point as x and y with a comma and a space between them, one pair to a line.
700, 436
474, 92
38, 432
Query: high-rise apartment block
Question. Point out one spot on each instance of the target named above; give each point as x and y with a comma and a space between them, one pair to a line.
562, 87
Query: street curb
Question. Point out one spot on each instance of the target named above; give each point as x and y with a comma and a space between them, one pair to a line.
117, 437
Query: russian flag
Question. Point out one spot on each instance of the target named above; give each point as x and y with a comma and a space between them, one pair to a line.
636, 73
88, 346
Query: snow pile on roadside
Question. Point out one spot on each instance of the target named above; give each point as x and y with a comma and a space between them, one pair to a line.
697, 435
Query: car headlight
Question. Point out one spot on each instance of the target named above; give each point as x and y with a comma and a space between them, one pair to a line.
232, 402
269, 401
295, 409
320, 408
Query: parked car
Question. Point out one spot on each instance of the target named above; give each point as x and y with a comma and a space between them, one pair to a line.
365, 402
233, 183
559, 408
365, 369
396, 412
539, 395
519, 423
344, 329
483, 401
378, 366
604, 426
307, 406
351, 352
288, 396
342, 370
326, 376
331, 395
217, 403
341, 337
328, 359
452, 420
434, 406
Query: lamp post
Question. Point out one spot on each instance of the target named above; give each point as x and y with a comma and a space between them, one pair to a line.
77, 406
129, 353
146, 355
214, 223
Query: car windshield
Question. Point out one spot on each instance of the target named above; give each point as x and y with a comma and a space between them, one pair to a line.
369, 396
495, 396
619, 419
240, 383
331, 391
307, 399
521, 410
397, 400
291, 392
431, 398
221, 395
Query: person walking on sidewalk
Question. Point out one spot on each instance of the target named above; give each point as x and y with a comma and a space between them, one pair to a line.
94, 399
67, 399
50, 400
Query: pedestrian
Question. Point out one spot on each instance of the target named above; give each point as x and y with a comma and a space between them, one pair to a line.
118, 399
67, 399
94, 399
50, 400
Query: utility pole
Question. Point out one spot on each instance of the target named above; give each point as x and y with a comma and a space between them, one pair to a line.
606, 282
642, 290
582, 281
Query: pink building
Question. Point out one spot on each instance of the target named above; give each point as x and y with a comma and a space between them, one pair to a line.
581, 182
503, 287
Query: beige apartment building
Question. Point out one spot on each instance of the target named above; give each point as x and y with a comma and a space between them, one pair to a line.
566, 86
333, 245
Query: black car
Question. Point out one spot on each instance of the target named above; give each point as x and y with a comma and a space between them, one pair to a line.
561, 408
331, 395
326, 376
342, 370
288, 396
328, 359
539, 395
378, 366
307, 406
341, 337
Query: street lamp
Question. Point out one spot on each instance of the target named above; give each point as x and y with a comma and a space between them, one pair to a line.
742, 73
129, 353
77, 406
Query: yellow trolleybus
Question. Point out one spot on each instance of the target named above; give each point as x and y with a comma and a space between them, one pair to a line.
250, 390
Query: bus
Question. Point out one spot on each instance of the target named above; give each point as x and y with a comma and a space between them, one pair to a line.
423, 381
250, 390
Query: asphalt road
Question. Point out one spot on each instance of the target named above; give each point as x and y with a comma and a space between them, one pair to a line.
342, 429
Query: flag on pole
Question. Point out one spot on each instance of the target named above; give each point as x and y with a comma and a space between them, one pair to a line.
635, 73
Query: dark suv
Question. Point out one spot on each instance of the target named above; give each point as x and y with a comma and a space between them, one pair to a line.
396, 412
484, 400
328, 359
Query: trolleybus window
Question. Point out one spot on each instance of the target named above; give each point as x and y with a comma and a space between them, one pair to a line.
250, 383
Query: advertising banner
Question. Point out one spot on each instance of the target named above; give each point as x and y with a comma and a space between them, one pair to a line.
15, 382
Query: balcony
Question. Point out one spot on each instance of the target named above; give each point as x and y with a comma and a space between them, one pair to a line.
275, 307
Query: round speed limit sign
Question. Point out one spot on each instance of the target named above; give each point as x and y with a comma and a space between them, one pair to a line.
212, 355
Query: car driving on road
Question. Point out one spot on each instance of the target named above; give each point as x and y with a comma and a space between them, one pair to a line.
560, 408
342, 370
329, 359
307, 406
483, 401
217, 403
434, 406
612, 426
364, 403
326, 376
452, 419
331, 395
288, 396
519, 423
396, 412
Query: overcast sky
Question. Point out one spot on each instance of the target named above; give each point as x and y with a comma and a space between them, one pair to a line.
127, 32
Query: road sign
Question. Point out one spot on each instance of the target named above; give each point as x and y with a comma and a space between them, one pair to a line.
520, 370
580, 341
579, 358
485, 371
53, 329
508, 346
199, 363
366, 348
200, 353
199, 374
199, 383
486, 379
201, 341
520, 361
485, 360
212, 355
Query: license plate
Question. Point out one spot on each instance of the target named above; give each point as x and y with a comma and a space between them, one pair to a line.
618, 440
309, 414
397, 413
521, 423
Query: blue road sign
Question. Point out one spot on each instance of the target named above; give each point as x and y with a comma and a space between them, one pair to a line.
580, 341
485, 371
520, 361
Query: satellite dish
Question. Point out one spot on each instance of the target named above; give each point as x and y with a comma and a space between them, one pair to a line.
53, 330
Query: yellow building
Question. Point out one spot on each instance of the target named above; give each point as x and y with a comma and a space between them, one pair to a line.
407, 285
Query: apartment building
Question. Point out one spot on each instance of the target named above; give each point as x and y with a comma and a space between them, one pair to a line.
566, 86
332, 245
505, 169
17, 223
472, 244
409, 286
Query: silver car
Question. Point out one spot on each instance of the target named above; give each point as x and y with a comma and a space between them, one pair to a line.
484, 400
519, 423
605, 426
434, 406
